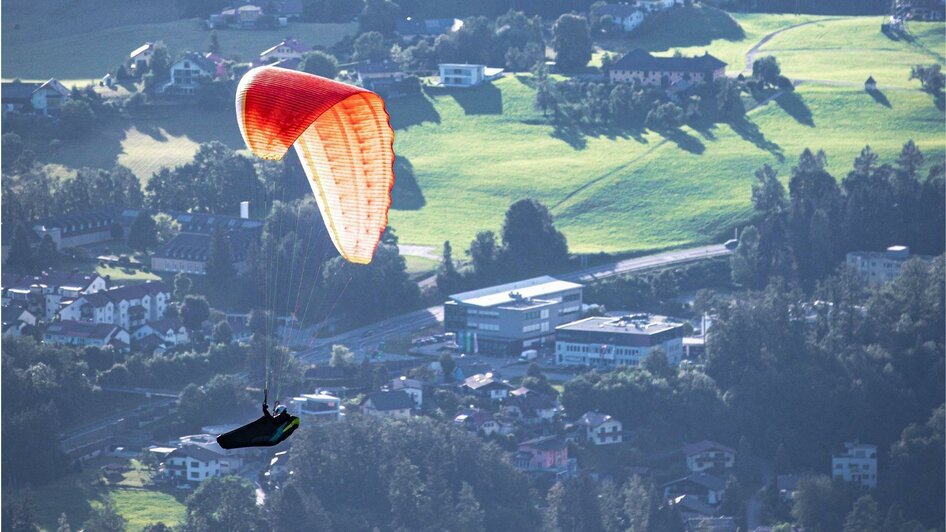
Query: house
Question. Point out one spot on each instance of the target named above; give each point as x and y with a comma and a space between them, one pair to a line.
81, 333
43, 294
167, 332
139, 60
188, 73
546, 454
188, 251
627, 16
530, 407
397, 404
787, 485
289, 9
192, 463
477, 421
709, 455
691, 507
221, 64
316, 406
608, 342
79, 229
509, 318
287, 48
278, 469
486, 385
411, 29
466, 75
871, 84
44, 98
706, 487
641, 67
884, 266
17, 321
412, 387
128, 307
380, 76
600, 429
857, 465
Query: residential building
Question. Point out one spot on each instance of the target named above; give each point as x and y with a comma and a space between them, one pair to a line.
690, 507
608, 342
879, 267
508, 318
787, 485
857, 465
532, 407
139, 60
382, 77
709, 456
640, 66
316, 406
78, 229
704, 486
192, 463
128, 307
189, 73
238, 17
288, 48
83, 334
44, 98
397, 404
43, 294
17, 320
547, 454
477, 421
412, 387
411, 29
627, 16
466, 75
188, 251
486, 385
601, 429
167, 332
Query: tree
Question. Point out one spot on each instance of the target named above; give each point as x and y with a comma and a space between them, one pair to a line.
370, 47
76, 118
105, 519
379, 16
665, 116
63, 524
530, 241
342, 357
931, 77
46, 254
747, 267
448, 278
20, 258
766, 69
639, 504
484, 255
214, 46
864, 517
157, 527
222, 503
814, 217
220, 269
223, 333
657, 364
194, 312
143, 234
182, 286
571, 40
469, 515
166, 227
819, 505
320, 63
160, 64
448, 365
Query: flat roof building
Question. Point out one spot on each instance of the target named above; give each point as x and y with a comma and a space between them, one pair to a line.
881, 266
607, 342
508, 318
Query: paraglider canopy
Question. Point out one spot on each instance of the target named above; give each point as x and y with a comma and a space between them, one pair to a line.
343, 138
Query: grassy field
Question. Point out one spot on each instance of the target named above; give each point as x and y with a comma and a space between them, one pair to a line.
82, 56
77, 494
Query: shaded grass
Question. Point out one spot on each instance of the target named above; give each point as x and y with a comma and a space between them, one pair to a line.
90, 55
125, 275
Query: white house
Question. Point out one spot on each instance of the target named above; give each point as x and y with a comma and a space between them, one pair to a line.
17, 321
388, 404
857, 464
188, 73
317, 406
705, 487
601, 429
465, 75
477, 421
80, 333
128, 307
705, 455
627, 16
194, 462
40, 97
412, 387
43, 294
169, 331
486, 385
288, 48
140, 58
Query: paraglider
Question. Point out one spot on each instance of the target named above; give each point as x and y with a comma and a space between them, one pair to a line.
268, 430
344, 141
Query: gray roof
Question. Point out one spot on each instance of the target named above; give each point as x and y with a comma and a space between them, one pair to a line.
134, 291
545, 443
706, 445
639, 59
593, 419
511, 292
81, 329
51, 278
710, 482
483, 380
387, 401
638, 324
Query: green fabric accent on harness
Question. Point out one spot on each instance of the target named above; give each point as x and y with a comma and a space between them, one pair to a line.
282, 429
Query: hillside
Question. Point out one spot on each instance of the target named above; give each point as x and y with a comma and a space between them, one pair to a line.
466, 155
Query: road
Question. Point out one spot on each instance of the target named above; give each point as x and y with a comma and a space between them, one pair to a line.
77, 436
371, 336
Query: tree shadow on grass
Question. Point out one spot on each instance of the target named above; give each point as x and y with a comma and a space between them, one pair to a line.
406, 194
879, 97
687, 26
684, 140
793, 104
483, 99
412, 110
751, 133
576, 134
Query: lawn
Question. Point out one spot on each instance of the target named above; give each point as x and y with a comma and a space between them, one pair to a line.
420, 266
79, 56
78, 493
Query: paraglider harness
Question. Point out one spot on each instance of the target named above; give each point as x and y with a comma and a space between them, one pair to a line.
266, 431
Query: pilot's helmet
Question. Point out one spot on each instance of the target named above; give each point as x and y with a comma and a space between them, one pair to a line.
280, 409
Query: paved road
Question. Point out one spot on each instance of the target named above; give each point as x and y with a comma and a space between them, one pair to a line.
370, 336
138, 390
76, 436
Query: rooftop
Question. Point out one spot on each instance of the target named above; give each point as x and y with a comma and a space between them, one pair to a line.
593, 419
386, 401
482, 380
706, 445
545, 443
512, 292
633, 324
81, 329
639, 59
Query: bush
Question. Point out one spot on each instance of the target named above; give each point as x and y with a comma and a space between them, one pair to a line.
76, 118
